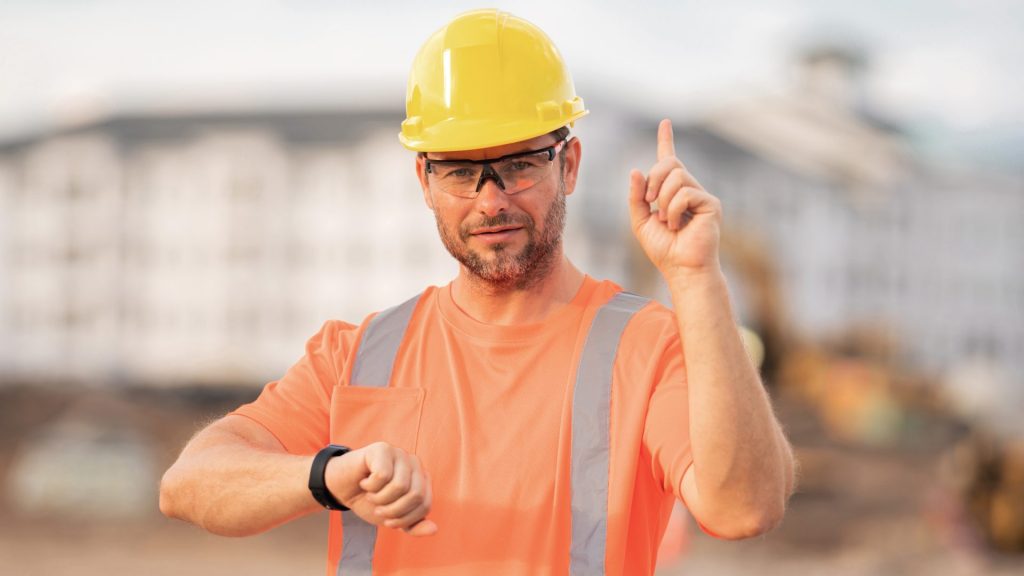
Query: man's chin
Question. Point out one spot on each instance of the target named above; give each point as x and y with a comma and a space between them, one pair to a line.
496, 255
497, 270
499, 248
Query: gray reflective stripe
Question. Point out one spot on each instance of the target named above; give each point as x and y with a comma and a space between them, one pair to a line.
591, 414
358, 541
379, 345
375, 359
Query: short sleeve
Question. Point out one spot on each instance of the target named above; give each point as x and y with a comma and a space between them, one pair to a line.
296, 408
667, 427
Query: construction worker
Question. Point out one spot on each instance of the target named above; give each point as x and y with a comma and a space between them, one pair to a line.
525, 418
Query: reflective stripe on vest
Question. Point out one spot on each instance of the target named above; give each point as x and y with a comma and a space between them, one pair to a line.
379, 344
375, 358
591, 417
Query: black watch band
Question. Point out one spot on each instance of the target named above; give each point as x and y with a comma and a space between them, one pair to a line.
316, 477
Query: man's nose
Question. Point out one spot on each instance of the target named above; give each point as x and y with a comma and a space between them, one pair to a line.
492, 199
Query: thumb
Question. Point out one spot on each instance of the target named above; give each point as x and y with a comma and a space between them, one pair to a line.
639, 209
423, 528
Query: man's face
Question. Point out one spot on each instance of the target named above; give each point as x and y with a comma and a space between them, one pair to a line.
509, 241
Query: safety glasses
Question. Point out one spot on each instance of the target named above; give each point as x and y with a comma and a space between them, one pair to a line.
512, 173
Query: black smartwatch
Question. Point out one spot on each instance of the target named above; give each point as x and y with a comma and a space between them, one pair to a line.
316, 477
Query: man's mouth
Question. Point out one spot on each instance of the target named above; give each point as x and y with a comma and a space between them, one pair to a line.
495, 230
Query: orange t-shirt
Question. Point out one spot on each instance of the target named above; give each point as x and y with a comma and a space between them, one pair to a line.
488, 411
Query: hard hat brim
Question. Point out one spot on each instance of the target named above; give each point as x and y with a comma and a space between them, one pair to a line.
459, 134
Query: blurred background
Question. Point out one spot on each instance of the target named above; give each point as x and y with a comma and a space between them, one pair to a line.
188, 190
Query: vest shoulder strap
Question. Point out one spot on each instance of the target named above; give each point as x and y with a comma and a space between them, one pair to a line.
591, 430
378, 346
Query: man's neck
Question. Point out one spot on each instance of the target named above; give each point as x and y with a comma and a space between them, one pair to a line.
503, 306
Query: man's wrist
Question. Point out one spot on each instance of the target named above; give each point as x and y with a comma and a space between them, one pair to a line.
318, 477
695, 279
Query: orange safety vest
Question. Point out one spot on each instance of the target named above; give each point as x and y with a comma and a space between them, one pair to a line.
353, 541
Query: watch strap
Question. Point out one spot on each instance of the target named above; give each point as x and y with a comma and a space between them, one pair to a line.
317, 484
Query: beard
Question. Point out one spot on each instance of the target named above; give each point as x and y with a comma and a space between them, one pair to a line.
507, 270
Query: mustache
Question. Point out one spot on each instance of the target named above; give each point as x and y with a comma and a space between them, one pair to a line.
502, 219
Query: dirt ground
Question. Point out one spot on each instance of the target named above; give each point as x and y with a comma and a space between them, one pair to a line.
859, 511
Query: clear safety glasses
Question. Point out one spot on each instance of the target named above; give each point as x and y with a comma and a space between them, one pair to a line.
512, 173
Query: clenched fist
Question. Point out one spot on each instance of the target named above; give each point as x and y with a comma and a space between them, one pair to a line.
385, 486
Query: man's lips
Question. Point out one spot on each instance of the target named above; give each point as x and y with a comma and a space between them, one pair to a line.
495, 230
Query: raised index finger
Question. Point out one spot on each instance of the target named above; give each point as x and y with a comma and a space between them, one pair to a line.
666, 146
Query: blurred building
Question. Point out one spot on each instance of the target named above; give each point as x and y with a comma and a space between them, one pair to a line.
860, 234
198, 248
208, 247
836, 229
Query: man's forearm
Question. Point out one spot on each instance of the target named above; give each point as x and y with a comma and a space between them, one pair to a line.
233, 487
742, 462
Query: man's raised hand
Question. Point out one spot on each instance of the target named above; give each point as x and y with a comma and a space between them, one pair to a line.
682, 236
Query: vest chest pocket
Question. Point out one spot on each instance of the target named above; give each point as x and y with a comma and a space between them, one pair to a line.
363, 415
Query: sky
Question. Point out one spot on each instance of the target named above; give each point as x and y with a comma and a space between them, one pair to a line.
947, 69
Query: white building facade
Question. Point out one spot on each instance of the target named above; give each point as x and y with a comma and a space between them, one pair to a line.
208, 248
204, 249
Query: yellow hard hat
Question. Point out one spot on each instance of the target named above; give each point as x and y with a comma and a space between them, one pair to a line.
485, 79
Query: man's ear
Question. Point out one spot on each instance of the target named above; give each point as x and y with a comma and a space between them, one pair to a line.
421, 175
573, 153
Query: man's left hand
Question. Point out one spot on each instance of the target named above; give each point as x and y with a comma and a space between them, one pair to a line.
682, 237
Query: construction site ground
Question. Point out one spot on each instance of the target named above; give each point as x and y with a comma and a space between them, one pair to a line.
859, 511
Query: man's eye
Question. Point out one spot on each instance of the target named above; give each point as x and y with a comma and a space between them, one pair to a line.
457, 172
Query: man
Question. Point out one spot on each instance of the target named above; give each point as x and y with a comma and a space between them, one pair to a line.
525, 418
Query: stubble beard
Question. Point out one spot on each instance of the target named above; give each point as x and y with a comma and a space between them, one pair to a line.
507, 270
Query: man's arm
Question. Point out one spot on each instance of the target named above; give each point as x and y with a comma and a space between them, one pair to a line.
234, 478
742, 471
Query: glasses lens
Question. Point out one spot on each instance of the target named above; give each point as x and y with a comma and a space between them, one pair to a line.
457, 178
522, 172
